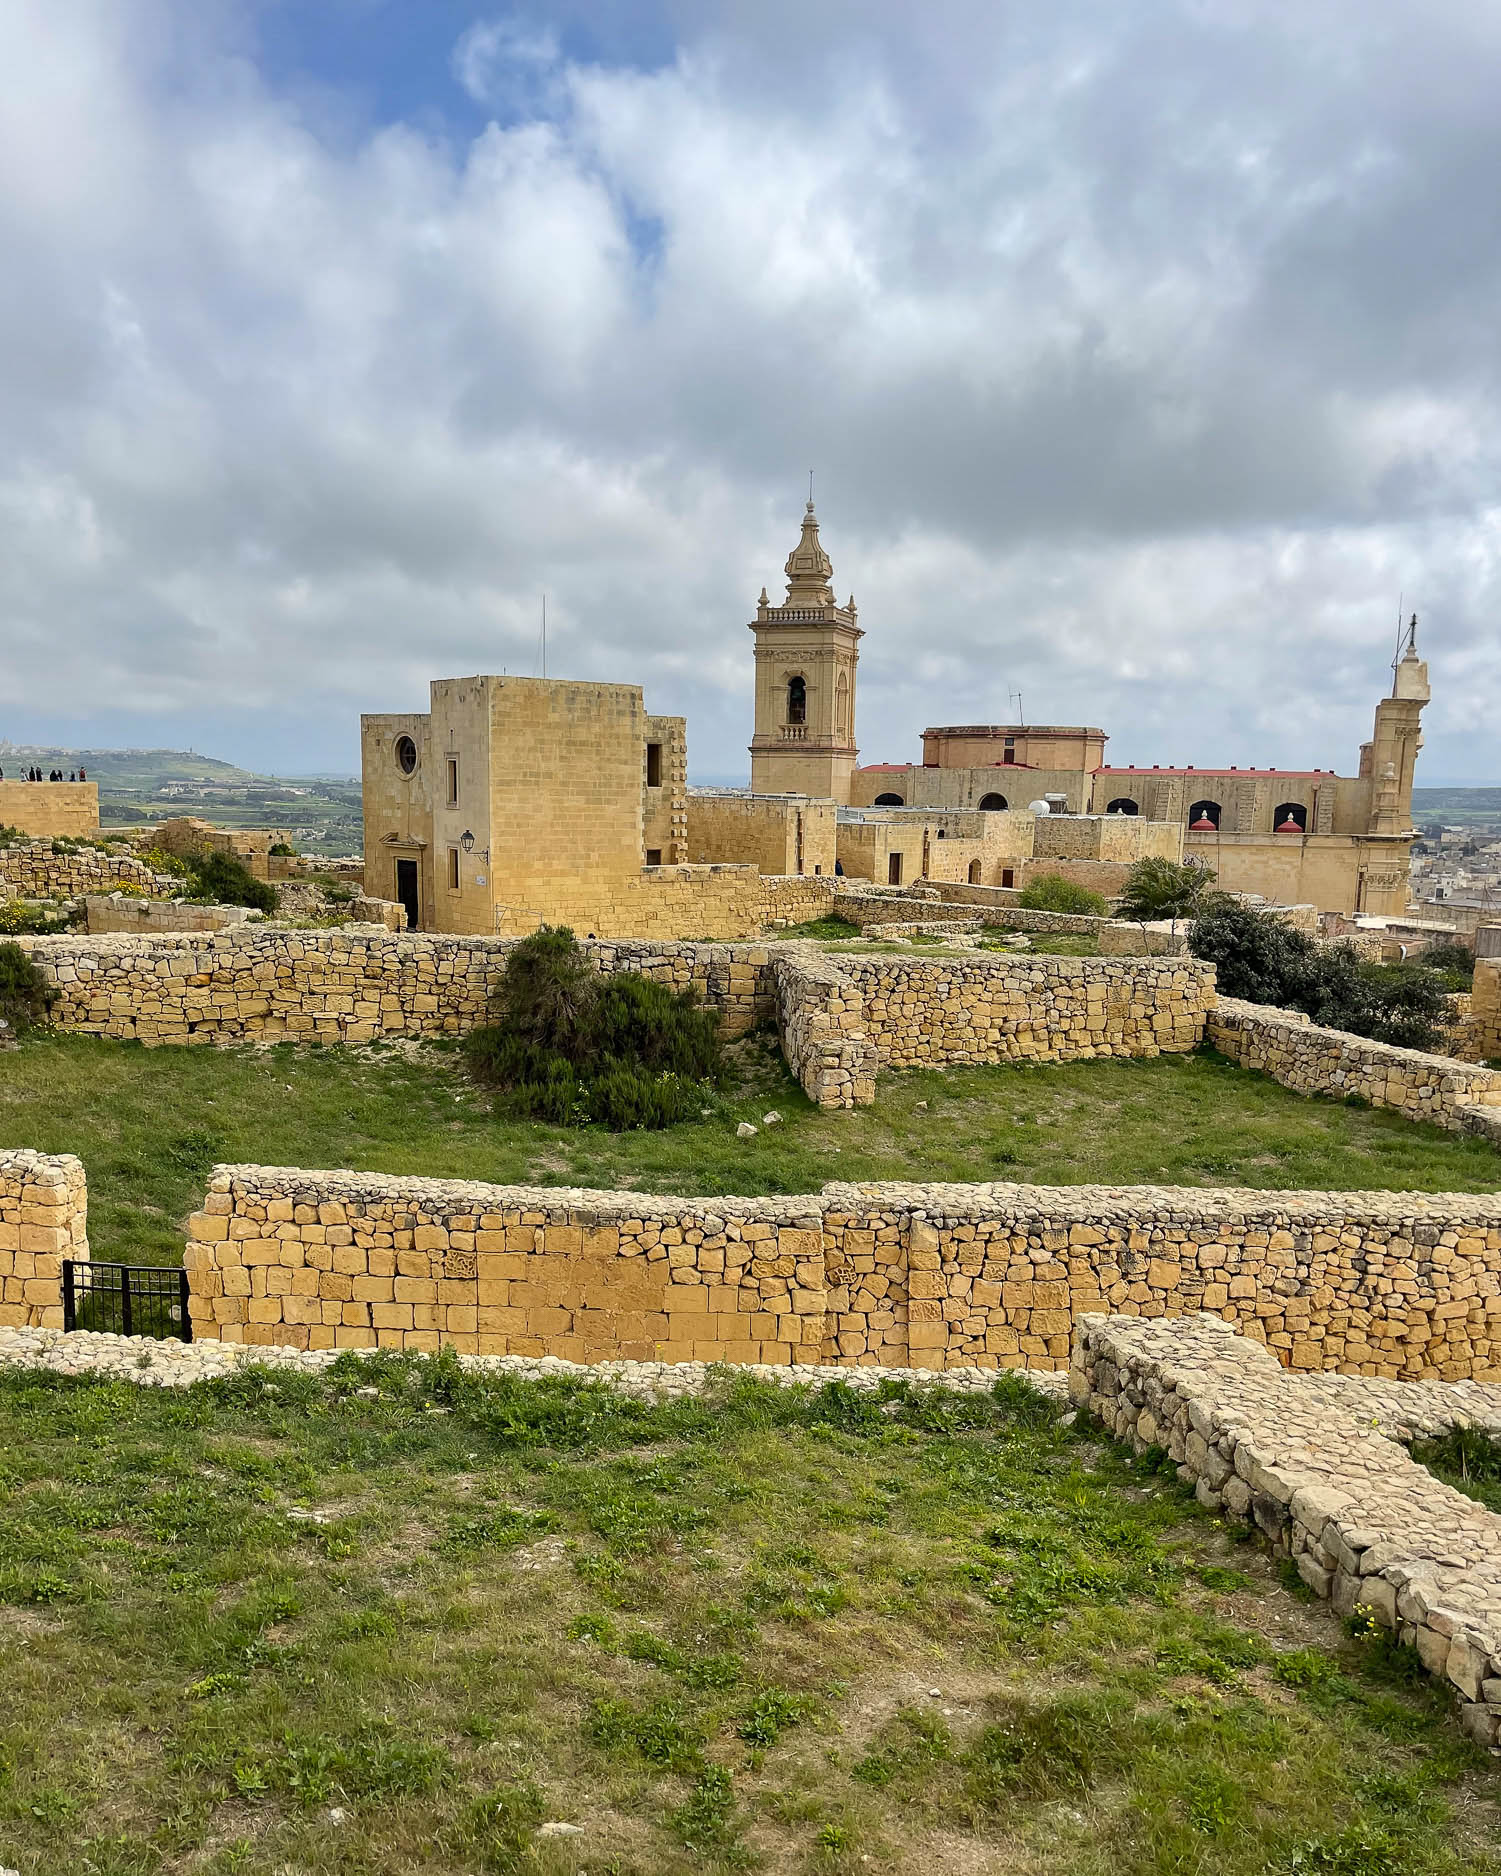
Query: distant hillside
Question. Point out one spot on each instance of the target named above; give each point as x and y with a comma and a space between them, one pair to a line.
322, 813
1457, 807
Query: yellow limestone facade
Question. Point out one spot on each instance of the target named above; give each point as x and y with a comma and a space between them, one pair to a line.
806, 653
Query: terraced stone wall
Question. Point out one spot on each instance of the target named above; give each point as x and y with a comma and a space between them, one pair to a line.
33, 869
1397, 1285
43, 1219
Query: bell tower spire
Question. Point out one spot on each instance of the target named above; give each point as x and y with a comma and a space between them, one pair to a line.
806, 653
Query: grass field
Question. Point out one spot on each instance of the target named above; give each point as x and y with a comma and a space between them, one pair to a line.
394, 1620
148, 1124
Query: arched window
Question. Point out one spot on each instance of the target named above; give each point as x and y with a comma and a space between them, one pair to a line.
406, 754
1291, 818
992, 804
1123, 804
842, 707
1203, 817
797, 700
974, 872
889, 801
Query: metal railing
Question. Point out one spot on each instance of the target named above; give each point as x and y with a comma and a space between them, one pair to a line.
126, 1299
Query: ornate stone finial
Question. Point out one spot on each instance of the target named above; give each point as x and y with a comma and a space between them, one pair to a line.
763, 600
809, 569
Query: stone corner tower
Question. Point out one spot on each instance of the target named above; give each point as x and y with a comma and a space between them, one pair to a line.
806, 653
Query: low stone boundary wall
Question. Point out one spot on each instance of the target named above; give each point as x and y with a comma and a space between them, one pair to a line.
1368, 1527
1311, 1060
987, 1276
1158, 939
35, 869
998, 905
43, 1219
926, 1012
119, 912
343, 984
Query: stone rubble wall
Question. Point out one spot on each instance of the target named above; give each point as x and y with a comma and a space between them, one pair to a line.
926, 1012
820, 1023
34, 869
1392, 1285
341, 984
1459, 1096
1370, 1530
43, 1219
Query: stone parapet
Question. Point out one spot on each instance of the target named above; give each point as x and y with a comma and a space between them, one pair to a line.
926, 1276
1369, 1529
43, 1219
1459, 1096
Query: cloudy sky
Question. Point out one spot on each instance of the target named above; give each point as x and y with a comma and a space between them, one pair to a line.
1145, 356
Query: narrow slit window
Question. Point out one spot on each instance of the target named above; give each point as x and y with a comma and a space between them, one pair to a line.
453, 781
453, 869
654, 765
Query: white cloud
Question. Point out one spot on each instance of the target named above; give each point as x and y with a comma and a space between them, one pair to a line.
1143, 363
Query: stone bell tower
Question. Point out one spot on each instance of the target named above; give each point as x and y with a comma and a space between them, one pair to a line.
1388, 760
806, 653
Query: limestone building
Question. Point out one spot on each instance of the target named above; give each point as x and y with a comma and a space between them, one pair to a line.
516, 800
1298, 836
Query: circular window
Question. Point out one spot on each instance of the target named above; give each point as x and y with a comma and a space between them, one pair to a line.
406, 754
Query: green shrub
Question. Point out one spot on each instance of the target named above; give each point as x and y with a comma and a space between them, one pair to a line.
1262, 960
1051, 892
572, 1047
221, 879
25, 995
283, 851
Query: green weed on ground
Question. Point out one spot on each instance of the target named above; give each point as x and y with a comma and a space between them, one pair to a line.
148, 1124
400, 1617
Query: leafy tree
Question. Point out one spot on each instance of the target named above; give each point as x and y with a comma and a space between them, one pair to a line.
570, 1046
1051, 892
1162, 889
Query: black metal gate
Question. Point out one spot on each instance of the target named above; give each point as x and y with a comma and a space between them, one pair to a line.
126, 1299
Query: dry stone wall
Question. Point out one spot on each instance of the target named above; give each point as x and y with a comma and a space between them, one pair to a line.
1314, 1467
1397, 1285
346, 984
35, 869
983, 1007
1459, 1096
43, 1219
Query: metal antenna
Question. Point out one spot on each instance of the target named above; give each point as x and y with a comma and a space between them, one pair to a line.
1397, 655
1021, 715
544, 635
810, 488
